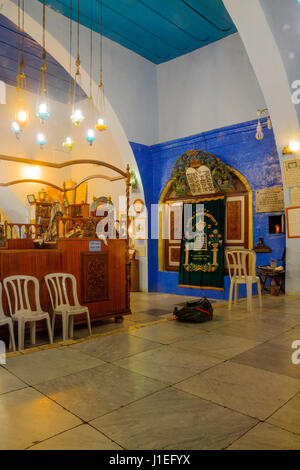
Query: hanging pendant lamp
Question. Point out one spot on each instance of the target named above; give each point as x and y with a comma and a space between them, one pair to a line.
21, 115
42, 111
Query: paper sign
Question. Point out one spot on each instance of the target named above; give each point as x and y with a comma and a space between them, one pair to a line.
293, 222
291, 170
94, 246
295, 196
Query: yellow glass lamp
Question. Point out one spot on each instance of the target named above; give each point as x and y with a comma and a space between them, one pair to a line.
293, 147
68, 143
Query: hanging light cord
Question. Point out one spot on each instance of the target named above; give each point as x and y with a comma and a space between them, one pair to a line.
22, 64
19, 42
101, 44
77, 63
78, 32
44, 85
91, 50
70, 62
44, 31
19, 50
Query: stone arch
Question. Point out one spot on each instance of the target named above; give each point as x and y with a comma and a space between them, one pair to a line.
59, 50
266, 60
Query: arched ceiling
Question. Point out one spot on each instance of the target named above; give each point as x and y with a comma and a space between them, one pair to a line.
158, 30
58, 77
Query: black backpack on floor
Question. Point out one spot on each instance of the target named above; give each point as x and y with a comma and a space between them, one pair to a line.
197, 311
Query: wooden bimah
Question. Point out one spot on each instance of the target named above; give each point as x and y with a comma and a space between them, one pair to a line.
101, 276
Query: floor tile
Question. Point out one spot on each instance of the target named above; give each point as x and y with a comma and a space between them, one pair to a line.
83, 437
27, 417
113, 347
171, 419
168, 364
287, 338
217, 345
45, 365
272, 357
253, 329
217, 322
251, 391
94, 392
9, 382
288, 417
267, 437
165, 333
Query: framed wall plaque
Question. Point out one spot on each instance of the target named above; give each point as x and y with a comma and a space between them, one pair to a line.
269, 200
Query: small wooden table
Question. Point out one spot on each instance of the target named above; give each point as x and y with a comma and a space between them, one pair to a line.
266, 272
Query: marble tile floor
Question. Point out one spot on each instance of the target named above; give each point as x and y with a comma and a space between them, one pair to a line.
154, 383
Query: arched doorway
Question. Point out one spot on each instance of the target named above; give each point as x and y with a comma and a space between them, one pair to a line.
238, 198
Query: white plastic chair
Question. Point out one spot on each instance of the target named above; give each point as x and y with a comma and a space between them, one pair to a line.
5, 320
57, 284
24, 306
239, 274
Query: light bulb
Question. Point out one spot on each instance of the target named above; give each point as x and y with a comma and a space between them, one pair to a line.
294, 146
90, 137
22, 117
101, 126
77, 117
32, 172
43, 112
15, 128
41, 139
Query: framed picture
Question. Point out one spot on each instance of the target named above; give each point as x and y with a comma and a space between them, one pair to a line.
31, 198
293, 222
138, 206
140, 231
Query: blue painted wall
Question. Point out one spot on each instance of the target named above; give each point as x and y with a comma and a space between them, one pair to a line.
236, 145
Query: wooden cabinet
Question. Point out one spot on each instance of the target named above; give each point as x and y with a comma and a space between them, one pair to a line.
40, 213
81, 211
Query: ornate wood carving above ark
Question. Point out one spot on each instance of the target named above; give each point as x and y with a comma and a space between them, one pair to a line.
221, 176
94, 269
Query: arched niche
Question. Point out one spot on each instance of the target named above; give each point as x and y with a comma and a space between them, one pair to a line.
238, 197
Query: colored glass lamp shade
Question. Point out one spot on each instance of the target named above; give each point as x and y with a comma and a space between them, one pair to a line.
77, 117
90, 136
41, 140
43, 112
16, 129
68, 143
101, 126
